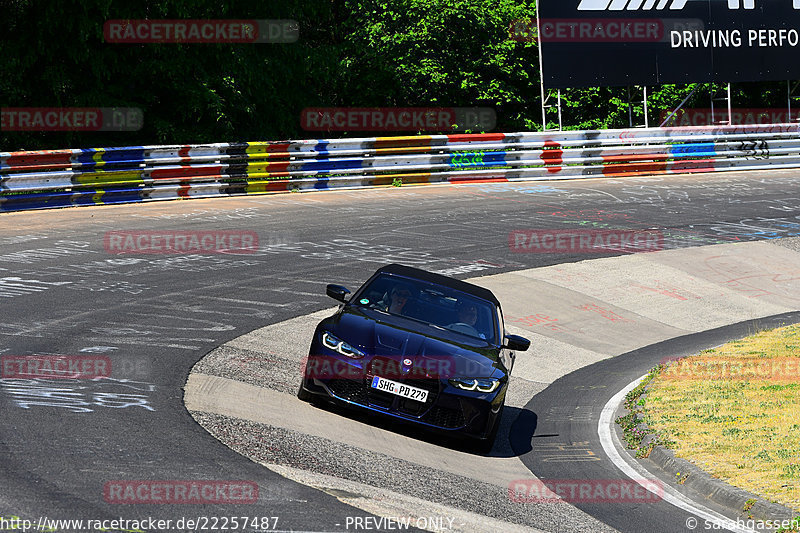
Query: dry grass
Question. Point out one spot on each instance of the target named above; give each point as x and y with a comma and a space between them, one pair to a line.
739, 422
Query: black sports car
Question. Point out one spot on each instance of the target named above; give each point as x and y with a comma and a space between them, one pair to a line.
418, 347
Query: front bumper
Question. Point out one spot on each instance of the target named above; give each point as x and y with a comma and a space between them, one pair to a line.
447, 409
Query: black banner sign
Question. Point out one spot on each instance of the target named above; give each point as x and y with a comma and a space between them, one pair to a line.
598, 43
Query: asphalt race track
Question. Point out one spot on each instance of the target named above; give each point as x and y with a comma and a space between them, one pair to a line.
155, 316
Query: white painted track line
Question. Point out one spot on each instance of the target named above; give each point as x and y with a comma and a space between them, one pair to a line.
635, 471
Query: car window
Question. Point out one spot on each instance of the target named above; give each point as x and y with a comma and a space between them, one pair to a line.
433, 304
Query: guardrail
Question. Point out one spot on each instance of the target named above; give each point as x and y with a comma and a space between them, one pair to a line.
60, 178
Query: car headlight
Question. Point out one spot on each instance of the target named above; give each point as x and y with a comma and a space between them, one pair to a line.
480, 384
341, 347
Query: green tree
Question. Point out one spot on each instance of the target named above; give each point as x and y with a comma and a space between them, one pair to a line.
359, 53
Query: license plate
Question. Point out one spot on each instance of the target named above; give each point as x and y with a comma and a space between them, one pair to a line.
399, 389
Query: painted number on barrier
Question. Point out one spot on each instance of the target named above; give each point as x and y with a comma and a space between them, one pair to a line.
755, 149
466, 159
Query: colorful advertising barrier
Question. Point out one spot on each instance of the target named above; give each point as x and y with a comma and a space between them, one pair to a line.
93, 176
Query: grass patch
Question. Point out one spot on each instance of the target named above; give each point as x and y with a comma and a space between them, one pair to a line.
634, 432
795, 526
735, 412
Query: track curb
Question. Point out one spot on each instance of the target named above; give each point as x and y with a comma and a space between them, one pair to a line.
717, 490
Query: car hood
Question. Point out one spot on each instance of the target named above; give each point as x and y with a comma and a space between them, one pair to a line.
380, 334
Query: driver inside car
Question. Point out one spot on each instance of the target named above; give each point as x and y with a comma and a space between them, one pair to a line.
467, 319
399, 300
468, 314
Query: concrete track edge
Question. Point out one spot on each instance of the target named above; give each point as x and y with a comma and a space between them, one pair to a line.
595, 309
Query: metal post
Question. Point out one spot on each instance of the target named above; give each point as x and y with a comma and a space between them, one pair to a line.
730, 109
544, 108
713, 121
728, 105
541, 69
630, 108
644, 106
560, 126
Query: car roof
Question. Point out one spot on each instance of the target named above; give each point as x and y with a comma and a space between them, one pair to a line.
424, 275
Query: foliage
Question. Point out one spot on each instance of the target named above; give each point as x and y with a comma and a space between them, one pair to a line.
358, 53
55, 55
441, 53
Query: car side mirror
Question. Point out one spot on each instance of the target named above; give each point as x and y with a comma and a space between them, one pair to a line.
337, 292
517, 343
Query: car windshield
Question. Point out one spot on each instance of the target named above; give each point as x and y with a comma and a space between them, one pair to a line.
439, 306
